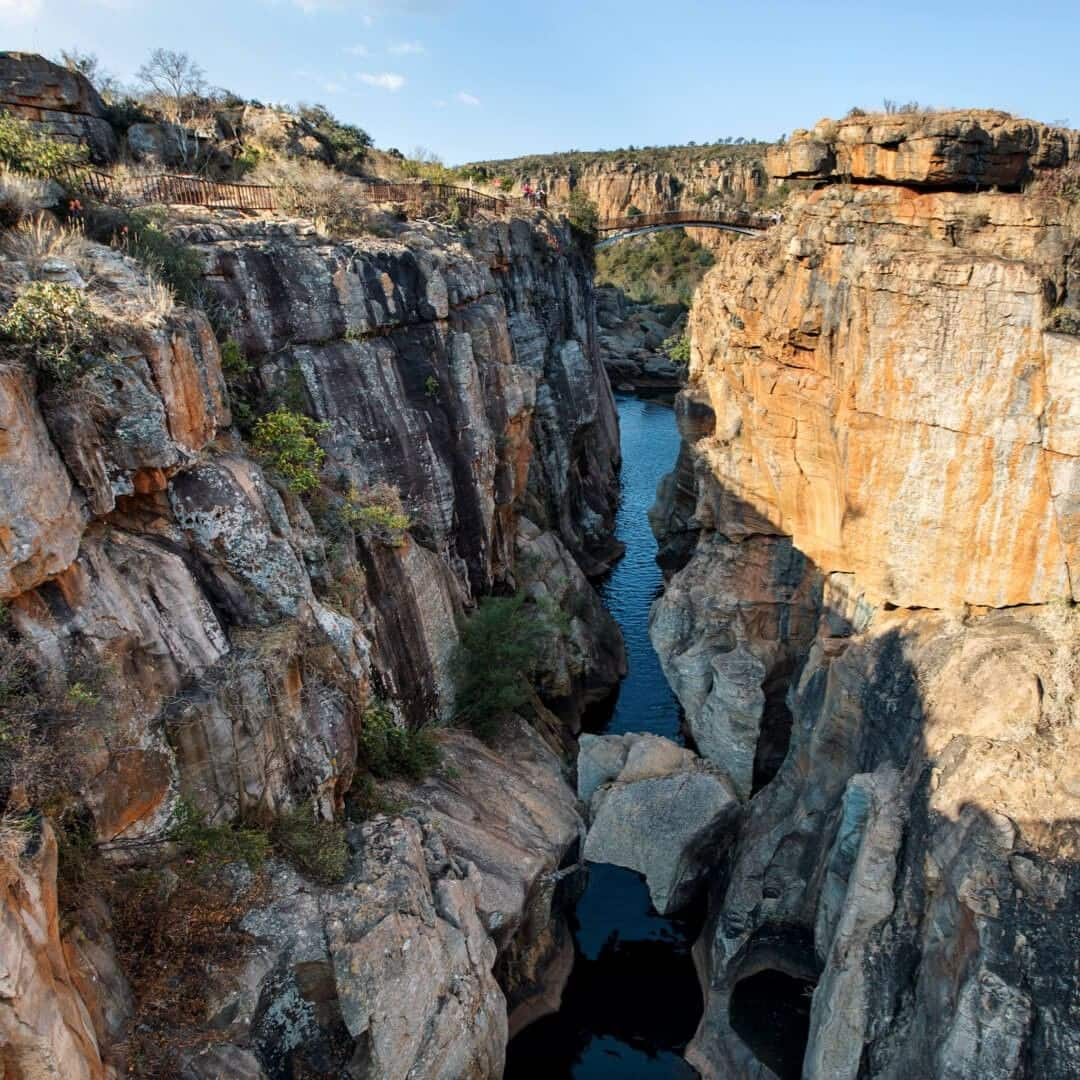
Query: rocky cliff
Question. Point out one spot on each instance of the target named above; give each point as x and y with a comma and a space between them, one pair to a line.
872, 622
653, 180
199, 638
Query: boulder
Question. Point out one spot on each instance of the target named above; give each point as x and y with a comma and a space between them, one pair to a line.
666, 814
59, 102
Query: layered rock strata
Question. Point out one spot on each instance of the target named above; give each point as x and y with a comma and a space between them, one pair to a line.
871, 621
225, 633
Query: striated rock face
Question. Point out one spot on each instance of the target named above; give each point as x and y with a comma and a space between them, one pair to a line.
959, 149
45, 1027
227, 633
871, 618
683, 178
392, 972
62, 103
886, 392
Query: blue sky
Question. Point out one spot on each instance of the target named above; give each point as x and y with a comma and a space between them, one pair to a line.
471, 80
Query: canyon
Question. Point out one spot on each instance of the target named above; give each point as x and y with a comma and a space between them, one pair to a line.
865, 798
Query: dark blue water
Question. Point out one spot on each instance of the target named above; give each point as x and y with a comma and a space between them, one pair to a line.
632, 1002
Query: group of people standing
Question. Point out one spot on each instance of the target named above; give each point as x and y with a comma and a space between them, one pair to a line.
534, 196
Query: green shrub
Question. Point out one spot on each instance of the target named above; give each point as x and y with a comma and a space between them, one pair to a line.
376, 513
388, 750
51, 327
663, 268
583, 216
495, 661
366, 800
23, 148
144, 238
237, 369
347, 144
207, 843
285, 440
677, 348
315, 847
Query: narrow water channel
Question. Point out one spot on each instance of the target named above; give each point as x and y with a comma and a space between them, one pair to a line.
632, 1003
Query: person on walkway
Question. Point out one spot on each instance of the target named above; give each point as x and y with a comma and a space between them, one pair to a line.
541, 197
527, 191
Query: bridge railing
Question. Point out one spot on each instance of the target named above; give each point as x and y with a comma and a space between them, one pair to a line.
740, 219
170, 188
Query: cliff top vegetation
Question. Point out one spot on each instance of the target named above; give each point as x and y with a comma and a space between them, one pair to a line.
660, 158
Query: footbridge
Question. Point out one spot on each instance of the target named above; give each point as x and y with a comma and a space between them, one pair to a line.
735, 221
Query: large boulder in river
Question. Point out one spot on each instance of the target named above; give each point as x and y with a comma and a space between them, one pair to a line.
656, 808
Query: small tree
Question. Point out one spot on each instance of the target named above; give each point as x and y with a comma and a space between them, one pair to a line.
174, 83
495, 661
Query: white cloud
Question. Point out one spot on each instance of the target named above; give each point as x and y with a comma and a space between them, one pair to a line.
385, 81
467, 99
19, 10
407, 48
355, 50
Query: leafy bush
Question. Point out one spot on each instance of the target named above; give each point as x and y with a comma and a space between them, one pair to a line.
24, 149
237, 370
583, 215
388, 750
376, 513
347, 144
314, 846
199, 840
496, 658
286, 442
366, 800
677, 348
51, 327
663, 268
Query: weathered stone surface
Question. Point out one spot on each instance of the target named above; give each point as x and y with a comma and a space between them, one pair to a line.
889, 397
45, 1027
898, 829
630, 339
736, 615
42, 514
665, 815
616, 182
58, 101
582, 654
935, 149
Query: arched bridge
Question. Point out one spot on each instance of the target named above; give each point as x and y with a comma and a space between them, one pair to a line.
736, 221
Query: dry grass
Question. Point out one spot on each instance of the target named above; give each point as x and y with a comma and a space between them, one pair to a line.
21, 195
146, 306
36, 240
312, 190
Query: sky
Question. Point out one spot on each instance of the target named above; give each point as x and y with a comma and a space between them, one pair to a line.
471, 80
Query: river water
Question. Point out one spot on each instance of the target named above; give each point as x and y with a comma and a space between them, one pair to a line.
632, 1002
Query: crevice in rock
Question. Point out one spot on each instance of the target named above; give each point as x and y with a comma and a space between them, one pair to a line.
770, 1012
775, 732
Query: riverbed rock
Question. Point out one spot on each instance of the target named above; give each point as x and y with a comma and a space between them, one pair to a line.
664, 814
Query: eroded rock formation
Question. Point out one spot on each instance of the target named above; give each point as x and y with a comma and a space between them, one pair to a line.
221, 635
871, 621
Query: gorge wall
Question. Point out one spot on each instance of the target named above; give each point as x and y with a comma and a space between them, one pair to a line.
205, 640
871, 616
653, 180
